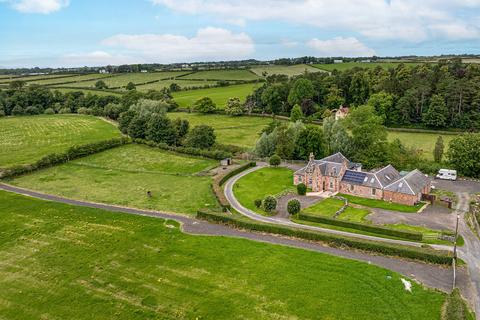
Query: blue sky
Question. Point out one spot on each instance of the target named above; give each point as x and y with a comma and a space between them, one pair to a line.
87, 32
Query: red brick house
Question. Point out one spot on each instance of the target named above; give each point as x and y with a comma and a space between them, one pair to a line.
336, 173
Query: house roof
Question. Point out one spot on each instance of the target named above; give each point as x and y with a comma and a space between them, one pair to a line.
387, 175
412, 183
337, 158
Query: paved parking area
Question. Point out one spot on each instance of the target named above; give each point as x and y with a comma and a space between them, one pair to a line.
457, 186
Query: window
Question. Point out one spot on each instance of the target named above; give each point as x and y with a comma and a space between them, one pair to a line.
331, 185
352, 188
374, 191
334, 171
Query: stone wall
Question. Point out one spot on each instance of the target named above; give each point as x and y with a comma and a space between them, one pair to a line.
361, 191
401, 198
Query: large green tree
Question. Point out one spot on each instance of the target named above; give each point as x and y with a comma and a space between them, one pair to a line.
204, 105
437, 113
161, 129
201, 136
302, 89
310, 140
464, 154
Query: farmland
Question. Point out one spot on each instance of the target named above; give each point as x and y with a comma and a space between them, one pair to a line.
222, 75
186, 99
24, 140
123, 175
67, 80
239, 131
290, 71
36, 77
82, 263
366, 65
425, 142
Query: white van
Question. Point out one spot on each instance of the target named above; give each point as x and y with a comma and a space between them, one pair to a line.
446, 174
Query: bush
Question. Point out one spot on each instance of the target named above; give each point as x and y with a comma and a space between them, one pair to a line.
64, 111
423, 254
301, 189
269, 203
83, 110
234, 107
32, 111
275, 160
18, 111
293, 206
415, 236
2, 113
204, 105
49, 111
258, 203
201, 136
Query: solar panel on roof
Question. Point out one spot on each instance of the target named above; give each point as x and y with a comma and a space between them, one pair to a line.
354, 177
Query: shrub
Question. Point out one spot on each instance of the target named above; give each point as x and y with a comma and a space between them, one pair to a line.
64, 111
160, 129
49, 111
201, 136
130, 86
301, 189
32, 111
258, 203
18, 111
293, 206
2, 113
137, 127
275, 160
83, 110
205, 105
269, 203
428, 255
234, 107
100, 84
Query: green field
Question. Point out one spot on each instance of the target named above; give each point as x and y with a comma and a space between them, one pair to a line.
186, 99
123, 175
184, 84
425, 142
238, 131
37, 77
121, 80
261, 183
65, 262
84, 77
328, 208
223, 75
290, 71
87, 91
366, 65
24, 140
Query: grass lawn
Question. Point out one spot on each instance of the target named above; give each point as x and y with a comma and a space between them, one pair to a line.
85, 77
425, 142
37, 77
239, 131
219, 95
290, 71
184, 84
66, 262
223, 75
328, 208
366, 65
123, 175
262, 183
372, 203
24, 140
86, 91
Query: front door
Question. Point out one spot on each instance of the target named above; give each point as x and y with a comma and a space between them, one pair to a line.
324, 186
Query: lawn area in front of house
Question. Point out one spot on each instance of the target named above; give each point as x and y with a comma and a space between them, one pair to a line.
328, 208
261, 183
380, 204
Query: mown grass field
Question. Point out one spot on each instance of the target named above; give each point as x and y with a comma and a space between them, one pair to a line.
87, 91
123, 175
84, 77
223, 75
238, 131
24, 140
121, 80
425, 142
365, 65
261, 183
290, 71
184, 84
65, 262
37, 77
220, 95
328, 208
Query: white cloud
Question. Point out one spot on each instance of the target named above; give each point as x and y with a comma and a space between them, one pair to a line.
339, 46
96, 58
38, 6
409, 20
208, 44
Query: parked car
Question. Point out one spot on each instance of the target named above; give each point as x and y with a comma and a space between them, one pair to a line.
447, 174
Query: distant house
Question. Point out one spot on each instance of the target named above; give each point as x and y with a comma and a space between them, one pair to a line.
102, 71
337, 61
336, 173
341, 112
143, 71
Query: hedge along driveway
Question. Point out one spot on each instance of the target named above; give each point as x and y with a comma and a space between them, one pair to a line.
123, 175
262, 183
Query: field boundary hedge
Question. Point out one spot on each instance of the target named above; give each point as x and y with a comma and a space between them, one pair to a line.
212, 154
415, 130
422, 254
408, 235
219, 180
73, 152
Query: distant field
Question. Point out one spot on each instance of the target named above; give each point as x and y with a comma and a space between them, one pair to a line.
423, 141
367, 65
80, 263
239, 131
123, 175
220, 95
37, 77
182, 83
121, 80
87, 91
286, 70
84, 77
223, 75
24, 140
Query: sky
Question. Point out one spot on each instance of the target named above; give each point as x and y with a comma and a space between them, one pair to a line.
73, 33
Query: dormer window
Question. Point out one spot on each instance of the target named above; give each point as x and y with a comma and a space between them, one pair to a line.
400, 184
372, 180
366, 179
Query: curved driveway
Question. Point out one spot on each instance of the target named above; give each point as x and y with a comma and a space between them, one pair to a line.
285, 222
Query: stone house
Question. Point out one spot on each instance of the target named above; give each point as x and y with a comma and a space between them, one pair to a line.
342, 112
336, 173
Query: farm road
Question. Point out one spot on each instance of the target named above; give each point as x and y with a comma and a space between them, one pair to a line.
430, 275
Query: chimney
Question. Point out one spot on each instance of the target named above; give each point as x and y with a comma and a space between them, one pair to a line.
311, 157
